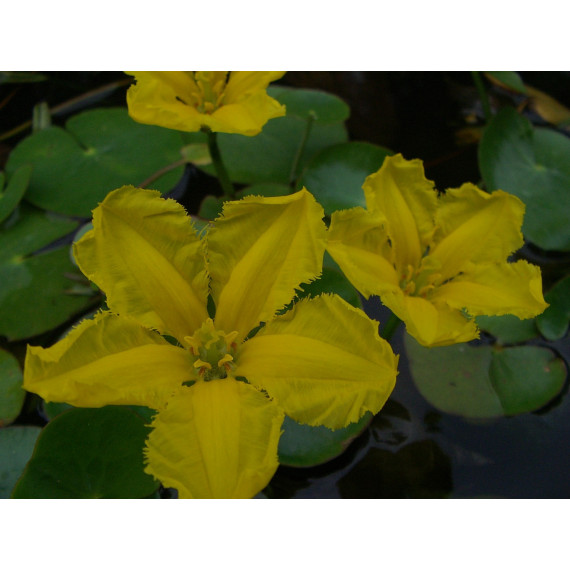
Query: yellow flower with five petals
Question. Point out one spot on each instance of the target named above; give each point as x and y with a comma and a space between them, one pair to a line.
221, 101
220, 384
436, 260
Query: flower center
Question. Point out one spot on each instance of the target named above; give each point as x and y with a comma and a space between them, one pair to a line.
212, 85
213, 351
421, 281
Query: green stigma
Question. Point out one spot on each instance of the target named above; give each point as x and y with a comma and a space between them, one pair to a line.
213, 351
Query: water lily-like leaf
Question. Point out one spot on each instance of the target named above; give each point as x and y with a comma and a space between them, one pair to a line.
553, 323
336, 174
74, 168
533, 164
484, 381
89, 453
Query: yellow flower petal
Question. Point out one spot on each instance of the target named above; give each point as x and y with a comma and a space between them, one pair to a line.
165, 98
259, 251
477, 227
430, 324
107, 360
145, 255
496, 289
358, 242
408, 201
216, 440
243, 83
323, 362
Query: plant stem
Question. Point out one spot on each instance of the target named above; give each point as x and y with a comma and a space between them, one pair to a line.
222, 173
162, 171
308, 127
390, 327
476, 75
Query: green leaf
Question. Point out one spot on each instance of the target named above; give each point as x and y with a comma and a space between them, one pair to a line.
508, 329
322, 106
269, 156
553, 323
35, 294
35, 287
533, 164
11, 393
99, 150
336, 174
10, 196
16, 447
89, 453
332, 281
53, 409
31, 230
526, 378
306, 446
210, 207
485, 382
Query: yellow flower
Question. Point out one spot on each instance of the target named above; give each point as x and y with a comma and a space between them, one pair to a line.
222, 101
436, 261
222, 384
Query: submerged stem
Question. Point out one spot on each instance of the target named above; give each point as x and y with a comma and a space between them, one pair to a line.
222, 173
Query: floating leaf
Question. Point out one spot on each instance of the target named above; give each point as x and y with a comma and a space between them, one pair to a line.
332, 281
306, 446
89, 453
16, 447
322, 106
508, 329
533, 164
34, 285
553, 323
485, 382
15, 189
99, 150
210, 207
11, 393
336, 174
